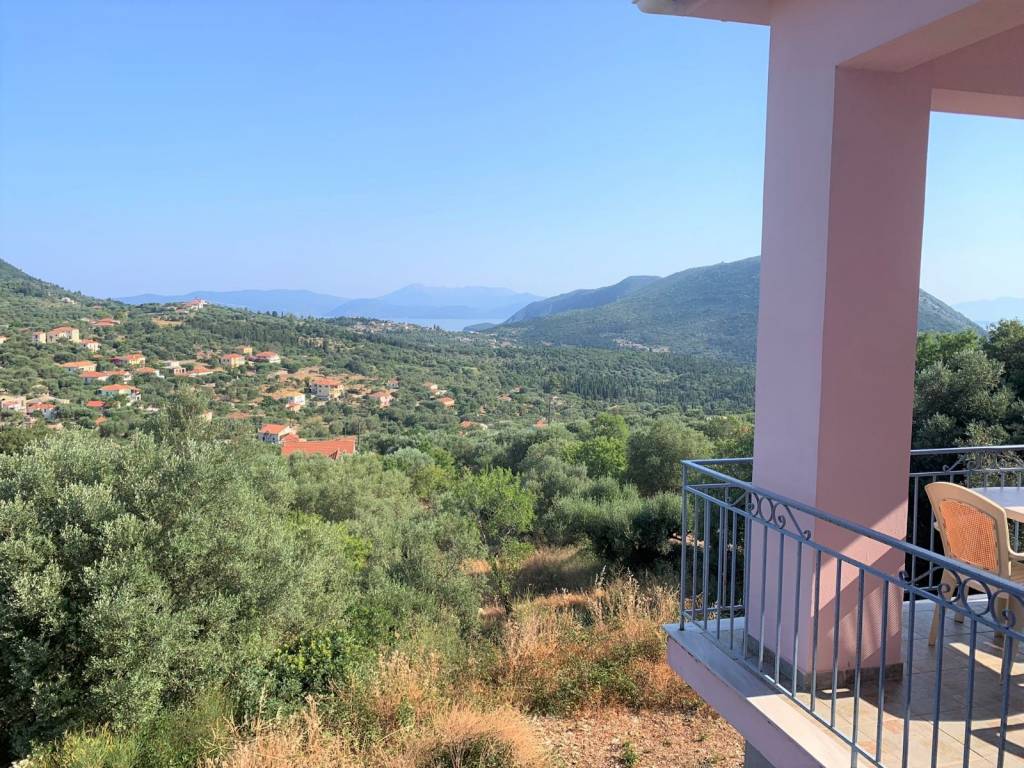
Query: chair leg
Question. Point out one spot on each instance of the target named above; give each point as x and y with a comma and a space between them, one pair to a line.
946, 579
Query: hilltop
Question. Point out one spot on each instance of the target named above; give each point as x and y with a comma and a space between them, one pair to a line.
708, 310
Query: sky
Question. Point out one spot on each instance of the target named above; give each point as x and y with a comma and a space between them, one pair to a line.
355, 146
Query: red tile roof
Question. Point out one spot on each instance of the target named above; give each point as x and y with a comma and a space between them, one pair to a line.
332, 449
273, 429
95, 404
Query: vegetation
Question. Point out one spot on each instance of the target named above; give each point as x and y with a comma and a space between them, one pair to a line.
706, 310
175, 593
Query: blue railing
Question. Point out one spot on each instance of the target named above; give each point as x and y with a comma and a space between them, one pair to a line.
837, 661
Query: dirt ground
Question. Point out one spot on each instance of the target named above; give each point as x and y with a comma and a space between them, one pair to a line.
657, 739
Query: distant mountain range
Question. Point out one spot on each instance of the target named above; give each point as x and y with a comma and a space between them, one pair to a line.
705, 310
414, 302
989, 311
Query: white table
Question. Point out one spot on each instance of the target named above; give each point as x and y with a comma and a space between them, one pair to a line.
1010, 499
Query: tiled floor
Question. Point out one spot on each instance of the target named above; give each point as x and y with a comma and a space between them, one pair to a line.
948, 734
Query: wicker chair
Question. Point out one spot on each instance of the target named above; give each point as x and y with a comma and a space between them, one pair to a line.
974, 530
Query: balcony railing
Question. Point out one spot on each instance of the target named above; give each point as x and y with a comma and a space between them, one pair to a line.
844, 635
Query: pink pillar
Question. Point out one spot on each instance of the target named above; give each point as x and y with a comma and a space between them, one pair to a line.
843, 213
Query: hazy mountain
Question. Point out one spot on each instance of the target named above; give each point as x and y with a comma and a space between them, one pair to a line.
709, 310
989, 311
585, 298
426, 302
293, 302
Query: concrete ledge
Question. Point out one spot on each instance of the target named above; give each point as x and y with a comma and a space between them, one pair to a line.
776, 727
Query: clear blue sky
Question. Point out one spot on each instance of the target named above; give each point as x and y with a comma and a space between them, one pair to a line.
355, 146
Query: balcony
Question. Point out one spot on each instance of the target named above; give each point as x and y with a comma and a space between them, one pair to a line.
821, 655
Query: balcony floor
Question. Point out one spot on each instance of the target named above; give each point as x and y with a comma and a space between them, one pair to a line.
987, 700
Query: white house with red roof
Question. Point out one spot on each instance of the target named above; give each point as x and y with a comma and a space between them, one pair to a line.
275, 434
79, 366
91, 344
381, 397
120, 390
232, 360
271, 358
62, 333
47, 410
326, 388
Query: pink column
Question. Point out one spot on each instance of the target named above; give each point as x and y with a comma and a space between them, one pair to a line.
843, 211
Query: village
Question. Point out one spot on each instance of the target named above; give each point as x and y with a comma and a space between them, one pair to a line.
114, 381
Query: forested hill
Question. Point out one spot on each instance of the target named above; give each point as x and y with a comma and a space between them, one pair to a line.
585, 298
706, 310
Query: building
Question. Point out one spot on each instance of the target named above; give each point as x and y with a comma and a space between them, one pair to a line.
812, 638
47, 410
447, 402
79, 366
199, 370
147, 371
245, 349
269, 358
382, 398
119, 390
37, 337
332, 449
104, 322
232, 360
95, 404
62, 333
3, 339
91, 344
193, 305
430, 386
131, 359
326, 388
15, 403
275, 434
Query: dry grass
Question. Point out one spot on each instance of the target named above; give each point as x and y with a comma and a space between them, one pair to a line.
301, 740
567, 653
556, 569
604, 647
466, 738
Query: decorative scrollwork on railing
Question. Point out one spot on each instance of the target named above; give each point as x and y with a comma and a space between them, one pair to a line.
997, 607
779, 515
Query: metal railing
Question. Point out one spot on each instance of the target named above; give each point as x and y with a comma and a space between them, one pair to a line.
838, 635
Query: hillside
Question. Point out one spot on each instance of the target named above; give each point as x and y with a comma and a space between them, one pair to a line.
294, 302
585, 298
706, 310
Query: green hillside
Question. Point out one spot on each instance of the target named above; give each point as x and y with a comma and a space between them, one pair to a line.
586, 298
706, 310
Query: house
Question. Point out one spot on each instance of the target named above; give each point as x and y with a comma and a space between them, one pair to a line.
430, 386
194, 304
47, 410
91, 344
332, 449
275, 434
147, 371
95, 404
79, 366
290, 397
270, 358
845, 631
131, 359
245, 349
232, 360
96, 375
382, 397
467, 424
199, 370
447, 402
15, 403
3, 340
104, 322
540, 423
120, 390
38, 337
62, 333
326, 388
